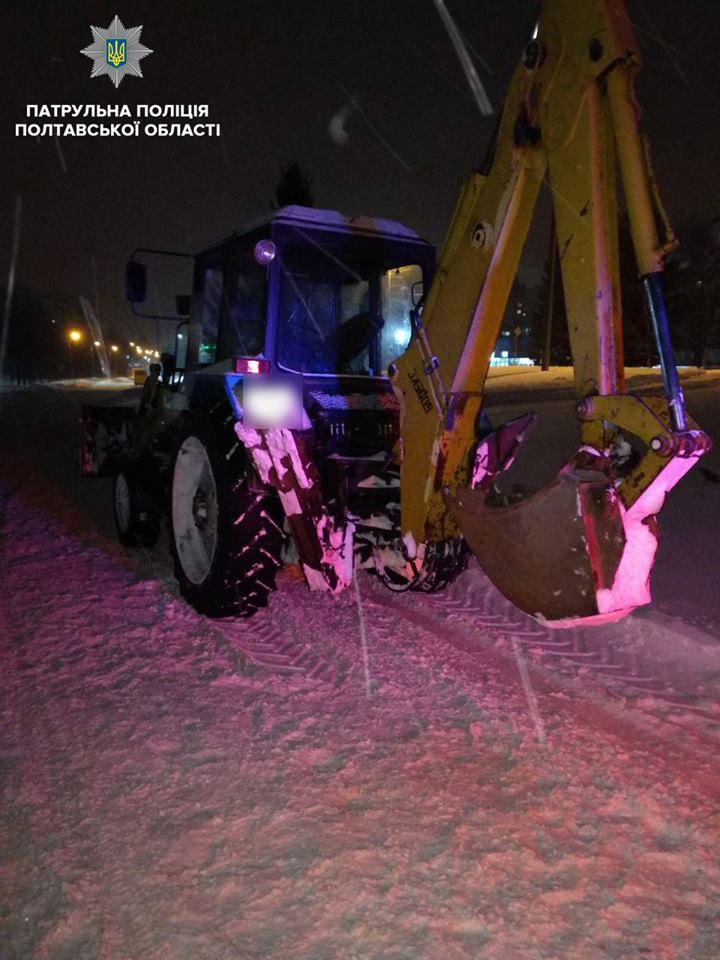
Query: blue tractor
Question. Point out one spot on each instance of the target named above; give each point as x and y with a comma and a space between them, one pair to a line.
272, 430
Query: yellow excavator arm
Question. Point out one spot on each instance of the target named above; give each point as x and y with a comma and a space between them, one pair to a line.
583, 547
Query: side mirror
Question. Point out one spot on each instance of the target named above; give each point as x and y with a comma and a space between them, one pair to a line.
417, 292
135, 282
182, 304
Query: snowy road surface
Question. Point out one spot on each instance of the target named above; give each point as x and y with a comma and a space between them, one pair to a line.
176, 788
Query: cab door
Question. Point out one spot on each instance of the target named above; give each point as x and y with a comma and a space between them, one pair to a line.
244, 304
209, 302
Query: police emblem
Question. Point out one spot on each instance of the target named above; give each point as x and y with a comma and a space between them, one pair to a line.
116, 52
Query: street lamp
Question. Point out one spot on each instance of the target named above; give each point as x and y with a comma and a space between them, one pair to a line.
74, 337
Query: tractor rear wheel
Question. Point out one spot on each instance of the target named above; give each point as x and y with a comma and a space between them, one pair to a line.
137, 519
225, 537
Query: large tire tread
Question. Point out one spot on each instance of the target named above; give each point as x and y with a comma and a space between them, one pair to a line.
250, 535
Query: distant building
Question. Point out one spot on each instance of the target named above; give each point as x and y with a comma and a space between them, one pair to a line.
517, 342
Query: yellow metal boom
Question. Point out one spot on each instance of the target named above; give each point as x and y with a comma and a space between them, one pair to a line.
570, 116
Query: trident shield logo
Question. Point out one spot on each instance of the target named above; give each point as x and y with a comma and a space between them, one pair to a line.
116, 52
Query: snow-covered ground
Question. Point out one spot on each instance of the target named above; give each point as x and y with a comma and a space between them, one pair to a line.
179, 788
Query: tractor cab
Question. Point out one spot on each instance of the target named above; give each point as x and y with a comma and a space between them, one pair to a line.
311, 291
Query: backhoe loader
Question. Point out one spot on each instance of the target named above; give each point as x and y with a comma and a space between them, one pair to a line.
328, 396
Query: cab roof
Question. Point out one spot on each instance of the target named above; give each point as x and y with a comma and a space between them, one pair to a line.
332, 220
312, 218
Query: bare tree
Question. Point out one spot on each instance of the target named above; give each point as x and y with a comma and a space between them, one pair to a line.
293, 188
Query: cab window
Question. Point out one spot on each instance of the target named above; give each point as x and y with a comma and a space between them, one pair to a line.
246, 326
396, 301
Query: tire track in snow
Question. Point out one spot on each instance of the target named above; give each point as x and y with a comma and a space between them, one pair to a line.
461, 645
642, 661
619, 661
483, 638
299, 638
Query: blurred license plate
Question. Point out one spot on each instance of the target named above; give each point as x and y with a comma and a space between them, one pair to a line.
270, 401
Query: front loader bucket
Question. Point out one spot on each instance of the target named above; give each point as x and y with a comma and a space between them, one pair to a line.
555, 555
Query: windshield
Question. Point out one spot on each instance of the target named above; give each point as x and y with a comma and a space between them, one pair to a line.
339, 312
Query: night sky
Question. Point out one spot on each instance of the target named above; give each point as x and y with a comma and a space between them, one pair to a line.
274, 73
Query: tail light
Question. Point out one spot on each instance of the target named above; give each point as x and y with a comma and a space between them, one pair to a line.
250, 365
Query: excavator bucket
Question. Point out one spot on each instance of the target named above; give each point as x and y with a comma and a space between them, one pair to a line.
550, 553
578, 551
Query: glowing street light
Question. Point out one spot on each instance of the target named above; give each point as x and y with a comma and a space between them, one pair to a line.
97, 343
114, 348
132, 343
75, 336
